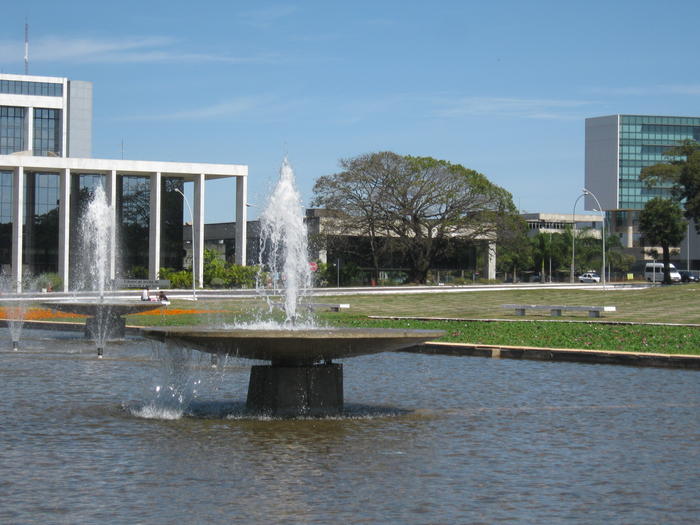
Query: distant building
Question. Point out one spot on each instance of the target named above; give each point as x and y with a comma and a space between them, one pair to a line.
617, 148
560, 222
47, 173
45, 116
330, 242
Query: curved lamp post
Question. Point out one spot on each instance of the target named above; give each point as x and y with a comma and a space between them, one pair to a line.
573, 239
194, 288
587, 192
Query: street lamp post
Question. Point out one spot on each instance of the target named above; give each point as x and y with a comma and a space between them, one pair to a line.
573, 239
587, 192
194, 288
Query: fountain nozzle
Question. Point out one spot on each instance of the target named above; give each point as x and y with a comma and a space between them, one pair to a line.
15, 345
100, 352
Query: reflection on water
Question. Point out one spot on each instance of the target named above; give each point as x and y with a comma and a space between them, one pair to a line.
427, 439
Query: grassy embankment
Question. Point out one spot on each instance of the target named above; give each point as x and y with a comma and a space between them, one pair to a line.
668, 304
671, 304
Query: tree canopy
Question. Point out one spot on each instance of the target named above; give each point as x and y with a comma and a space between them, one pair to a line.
661, 223
419, 202
682, 171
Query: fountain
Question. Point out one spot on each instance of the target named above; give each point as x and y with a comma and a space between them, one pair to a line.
15, 309
105, 317
301, 379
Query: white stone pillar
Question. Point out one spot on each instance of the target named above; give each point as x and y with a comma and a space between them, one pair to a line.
198, 230
17, 226
154, 227
241, 219
491, 261
30, 129
64, 228
111, 194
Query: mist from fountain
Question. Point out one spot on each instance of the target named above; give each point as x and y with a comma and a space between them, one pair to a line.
16, 310
283, 256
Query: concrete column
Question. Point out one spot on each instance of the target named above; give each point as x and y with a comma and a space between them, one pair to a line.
154, 227
17, 226
30, 129
64, 227
198, 230
490, 269
111, 194
629, 226
241, 219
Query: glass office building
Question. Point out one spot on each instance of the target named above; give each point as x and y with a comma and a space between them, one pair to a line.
47, 175
617, 148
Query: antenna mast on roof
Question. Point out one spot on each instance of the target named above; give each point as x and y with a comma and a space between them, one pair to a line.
26, 47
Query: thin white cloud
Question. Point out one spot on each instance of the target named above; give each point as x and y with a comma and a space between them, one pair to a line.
222, 109
235, 107
122, 50
509, 107
662, 89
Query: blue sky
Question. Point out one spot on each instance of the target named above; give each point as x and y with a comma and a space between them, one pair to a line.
500, 87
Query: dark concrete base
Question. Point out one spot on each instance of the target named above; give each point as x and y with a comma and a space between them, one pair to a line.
111, 325
289, 391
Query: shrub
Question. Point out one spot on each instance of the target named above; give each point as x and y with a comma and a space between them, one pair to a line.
50, 281
178, 279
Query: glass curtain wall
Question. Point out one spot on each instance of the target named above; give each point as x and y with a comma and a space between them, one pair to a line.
40, 245
133, 208
12, 129
643, 141
47, 132
6, 222
171, 214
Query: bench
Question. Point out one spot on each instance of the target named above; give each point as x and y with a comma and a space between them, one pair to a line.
141, 283
556, 310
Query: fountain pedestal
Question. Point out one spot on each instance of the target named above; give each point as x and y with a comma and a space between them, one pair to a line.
288, 391
113, 326
301, 379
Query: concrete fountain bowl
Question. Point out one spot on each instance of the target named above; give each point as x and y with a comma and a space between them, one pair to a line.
105, 317
301, 379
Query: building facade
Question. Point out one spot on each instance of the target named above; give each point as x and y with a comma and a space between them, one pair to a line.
560, 222
47, 174
617, 148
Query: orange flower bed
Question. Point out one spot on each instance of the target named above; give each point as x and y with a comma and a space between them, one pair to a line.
45, 314
35, 314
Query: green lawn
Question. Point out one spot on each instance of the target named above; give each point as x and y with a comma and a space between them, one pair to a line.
663, 304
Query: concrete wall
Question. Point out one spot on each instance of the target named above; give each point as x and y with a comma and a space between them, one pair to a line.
79, 119
601, 171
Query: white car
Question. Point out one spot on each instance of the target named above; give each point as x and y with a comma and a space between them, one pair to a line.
589, 277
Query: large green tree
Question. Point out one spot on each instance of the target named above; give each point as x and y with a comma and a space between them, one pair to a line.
661, 223
682, 173
418, 202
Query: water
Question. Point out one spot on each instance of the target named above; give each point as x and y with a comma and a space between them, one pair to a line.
96, 241
431, 439
284, 248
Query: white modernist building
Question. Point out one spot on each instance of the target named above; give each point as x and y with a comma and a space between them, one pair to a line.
46, 172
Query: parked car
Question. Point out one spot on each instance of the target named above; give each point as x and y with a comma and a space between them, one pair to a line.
589, 277
688, 277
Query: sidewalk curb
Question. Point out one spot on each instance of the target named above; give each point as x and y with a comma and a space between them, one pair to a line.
683, 361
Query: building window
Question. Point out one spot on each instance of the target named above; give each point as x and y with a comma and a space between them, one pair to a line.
5, 218
22, 87
47, 132
41, 222
133, 224
12, 136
